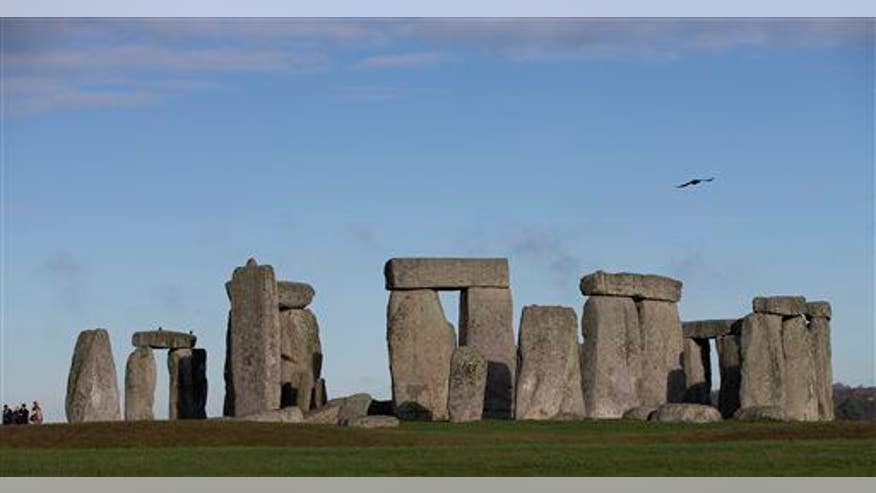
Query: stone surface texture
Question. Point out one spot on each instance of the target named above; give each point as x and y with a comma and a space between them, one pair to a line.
285, 415
638, 286
818, 309
92, 386
819, 337
294, 295
420, 347
787, 306
662, 377
760, 413
549, 376
710, 329
685, 413
486, 324
446, 273
468, 379
354, 406
300, 358
801, 402
640, 413
163, 339
140, 380
730, 366
697, 371
763, 361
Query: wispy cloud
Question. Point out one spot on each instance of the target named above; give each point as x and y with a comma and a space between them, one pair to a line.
403, 60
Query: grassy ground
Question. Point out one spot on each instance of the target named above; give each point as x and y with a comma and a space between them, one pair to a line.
489, 448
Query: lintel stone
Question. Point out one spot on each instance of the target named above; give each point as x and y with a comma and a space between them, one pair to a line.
787, 306
294, 295
640, 286
446, 273
164, 339
818, 309
710, 329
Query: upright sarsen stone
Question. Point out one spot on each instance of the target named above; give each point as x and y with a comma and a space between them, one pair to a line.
697, 371
92, 387
199, 382
612, 356
255, 339
763, 361
549, 376
180, 367
301, 357
662, 375
468, 379
420, 347
819, 337
486, 324
140, 378
730, 365
801, 403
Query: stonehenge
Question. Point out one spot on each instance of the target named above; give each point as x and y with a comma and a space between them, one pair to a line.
633, 347
92, 388
635, 360
421, 344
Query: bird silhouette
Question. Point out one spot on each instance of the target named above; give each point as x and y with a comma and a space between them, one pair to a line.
695, 181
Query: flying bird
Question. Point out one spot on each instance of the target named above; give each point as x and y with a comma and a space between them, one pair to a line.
696, 181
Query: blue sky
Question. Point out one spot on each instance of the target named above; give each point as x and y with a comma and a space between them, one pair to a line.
144, 160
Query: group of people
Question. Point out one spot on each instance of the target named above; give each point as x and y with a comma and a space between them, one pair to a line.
22, 416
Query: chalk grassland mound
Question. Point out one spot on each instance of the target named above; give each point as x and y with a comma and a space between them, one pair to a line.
603, 448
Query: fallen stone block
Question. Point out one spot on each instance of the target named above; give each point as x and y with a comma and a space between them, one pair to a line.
818, 309
92, 388
285, 415
710, 329
549, 376
468, 379
140, 380
294, 295
373, 422
164, 339
639, 413
760, 413
486, 324
326, 415
787, 306
662, 376
446, 273
638, 286
685, 413
420, 347
612, 356
353, 406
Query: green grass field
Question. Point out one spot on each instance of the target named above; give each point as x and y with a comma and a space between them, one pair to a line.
488, 448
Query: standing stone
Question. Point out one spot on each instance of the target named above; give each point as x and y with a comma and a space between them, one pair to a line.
301, 357
763, 361
199, 383
549, 375
255, 339
662, 374
320, 395
420, 347
140, 378
612, 361
697, 371
228, 374
181, 402
468, 380
486, 324
819, 336
730, 366
801, 403
92, 388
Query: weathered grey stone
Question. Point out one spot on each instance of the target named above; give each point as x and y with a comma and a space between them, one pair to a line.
373, 422
324, 415
709, 329
164, 339
199, 381
549, 375
697, 371
819, 337
818, 309
92, 388
486, 324
662, 375
284, 415
640, 413
354, 406
801, 403
294, 295
320, 394
468, 379
612, 356
420, 348
255, 339
760, 413
787, 306
685, 413
140, 378
301, 357
446, 273
730, 366
763, 361
638, 286
181, 402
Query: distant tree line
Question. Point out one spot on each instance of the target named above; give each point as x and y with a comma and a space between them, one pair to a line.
854, 402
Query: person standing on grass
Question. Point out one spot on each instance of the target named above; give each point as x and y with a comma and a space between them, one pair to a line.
36, 414
7, 415
23, 415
